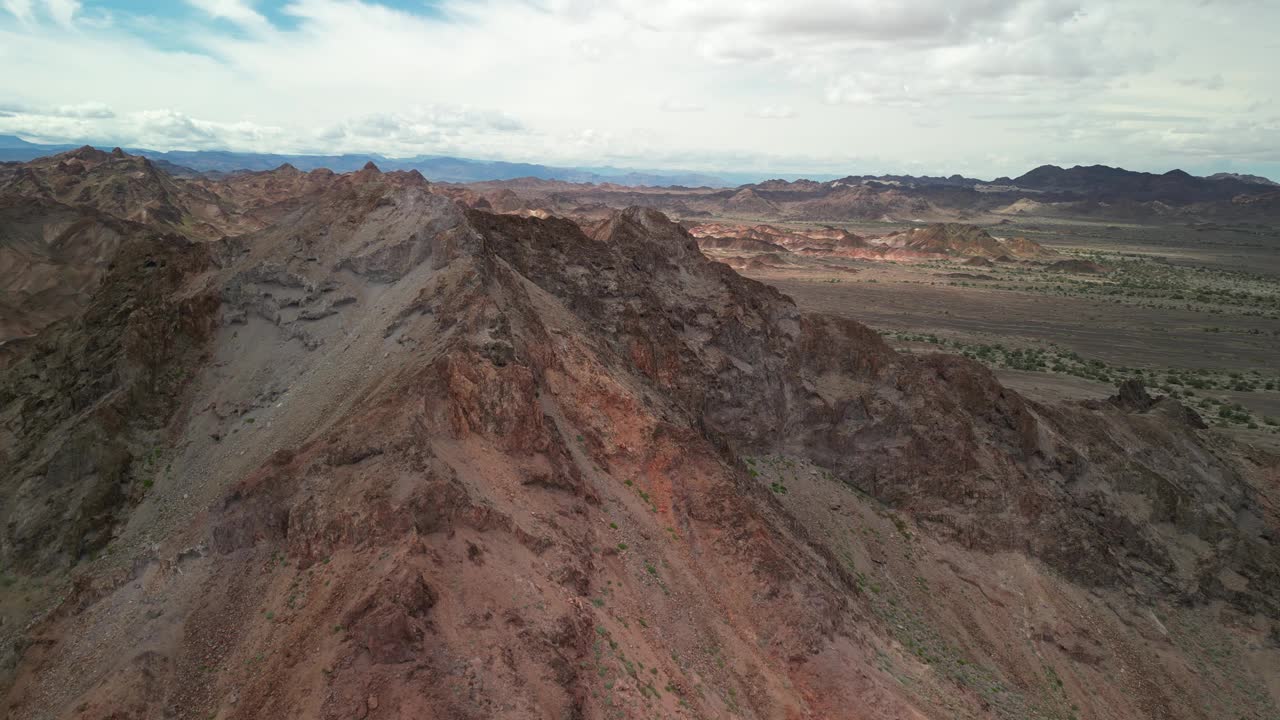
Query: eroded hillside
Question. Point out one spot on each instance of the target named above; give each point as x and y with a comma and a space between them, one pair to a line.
377, 453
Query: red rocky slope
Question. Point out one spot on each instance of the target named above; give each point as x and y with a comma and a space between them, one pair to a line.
429, 461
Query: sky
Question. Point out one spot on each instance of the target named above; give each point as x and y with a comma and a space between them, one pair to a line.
979, 87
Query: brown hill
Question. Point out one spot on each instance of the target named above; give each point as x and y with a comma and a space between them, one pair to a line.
739, 244
747, 203
821, 240
958, 239
933, 241
126, 186
1025, 249
766, 261
946, 239
391, 456
861, 203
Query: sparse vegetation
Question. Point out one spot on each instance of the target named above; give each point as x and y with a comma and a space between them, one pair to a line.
1178, 383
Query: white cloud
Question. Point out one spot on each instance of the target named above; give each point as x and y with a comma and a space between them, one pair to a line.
84, 110
1205, 82
21, 9
1148, 83
773, 112
441, 128
240, 12
95, 110
62, 11
680, 106
735, 48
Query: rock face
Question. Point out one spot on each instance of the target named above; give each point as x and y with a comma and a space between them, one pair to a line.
54, 258
388, 455
86, 394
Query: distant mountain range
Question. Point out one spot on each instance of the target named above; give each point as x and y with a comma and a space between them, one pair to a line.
1095, 192
1100, 181
1255, 179
1094, 181
438, 168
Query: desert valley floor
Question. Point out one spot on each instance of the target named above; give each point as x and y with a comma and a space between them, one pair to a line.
1191, 310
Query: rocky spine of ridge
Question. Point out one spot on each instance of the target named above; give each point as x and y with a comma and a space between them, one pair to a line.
402, 457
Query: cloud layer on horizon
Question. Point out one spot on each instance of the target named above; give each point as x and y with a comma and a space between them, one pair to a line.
982, 87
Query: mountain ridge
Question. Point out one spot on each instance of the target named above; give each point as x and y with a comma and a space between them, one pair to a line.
445, 168
381, 453
441, 167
